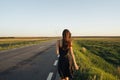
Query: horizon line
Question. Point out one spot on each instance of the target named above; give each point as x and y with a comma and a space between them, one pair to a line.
59, 36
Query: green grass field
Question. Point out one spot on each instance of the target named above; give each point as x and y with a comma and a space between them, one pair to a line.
98, 58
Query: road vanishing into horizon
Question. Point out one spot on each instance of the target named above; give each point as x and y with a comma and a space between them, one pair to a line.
36, 62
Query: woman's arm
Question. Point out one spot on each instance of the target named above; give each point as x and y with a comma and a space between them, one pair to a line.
74, 61
57, 47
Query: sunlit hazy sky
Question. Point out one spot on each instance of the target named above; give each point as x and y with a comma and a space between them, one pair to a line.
50, 17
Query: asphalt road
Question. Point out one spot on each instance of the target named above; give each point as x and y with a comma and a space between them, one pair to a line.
37, 62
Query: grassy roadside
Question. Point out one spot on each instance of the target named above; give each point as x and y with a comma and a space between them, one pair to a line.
6, 44
99, 59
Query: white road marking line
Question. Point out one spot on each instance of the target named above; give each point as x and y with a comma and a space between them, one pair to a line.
55, 63
50, 76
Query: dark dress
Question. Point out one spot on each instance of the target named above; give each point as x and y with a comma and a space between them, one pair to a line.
65, 63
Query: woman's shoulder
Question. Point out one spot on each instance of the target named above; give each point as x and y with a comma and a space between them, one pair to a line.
59, 42
70, 43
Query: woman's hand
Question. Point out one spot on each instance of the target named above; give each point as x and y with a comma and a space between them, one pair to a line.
76, 67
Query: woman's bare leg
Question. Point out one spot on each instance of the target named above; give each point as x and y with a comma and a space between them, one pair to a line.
67, 78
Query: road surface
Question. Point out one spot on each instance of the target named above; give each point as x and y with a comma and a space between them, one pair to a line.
37, 62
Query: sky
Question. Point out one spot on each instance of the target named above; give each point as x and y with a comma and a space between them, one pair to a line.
50, 17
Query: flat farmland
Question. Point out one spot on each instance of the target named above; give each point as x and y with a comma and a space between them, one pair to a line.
10, 43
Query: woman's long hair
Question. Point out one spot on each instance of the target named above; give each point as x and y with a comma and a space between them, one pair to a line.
66, 41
